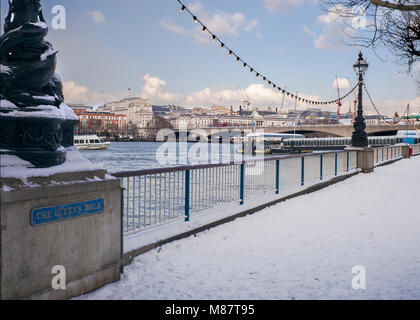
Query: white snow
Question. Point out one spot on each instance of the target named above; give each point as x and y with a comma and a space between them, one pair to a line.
47, 53
199, 219
39, 24
14, 167
7, 104
5, 69
64, 112
7, 189
49, 98
304, 248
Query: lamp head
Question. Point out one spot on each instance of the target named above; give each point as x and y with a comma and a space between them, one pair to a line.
361, 66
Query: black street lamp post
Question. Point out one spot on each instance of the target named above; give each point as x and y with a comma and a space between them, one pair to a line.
35, 124
359, 137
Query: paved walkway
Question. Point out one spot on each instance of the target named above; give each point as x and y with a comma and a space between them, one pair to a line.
304, 248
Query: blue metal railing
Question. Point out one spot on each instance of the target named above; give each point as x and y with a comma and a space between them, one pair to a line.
387, 153
157, 196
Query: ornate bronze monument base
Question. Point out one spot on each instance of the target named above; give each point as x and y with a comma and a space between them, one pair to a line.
39, 141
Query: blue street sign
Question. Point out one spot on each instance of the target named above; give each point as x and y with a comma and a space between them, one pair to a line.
64, 212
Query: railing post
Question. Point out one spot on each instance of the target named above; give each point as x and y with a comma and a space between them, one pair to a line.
336, 164
303, 172
321, 165
242, 184
387, 154
357, 159
382, 154
277, 176
377, 156
187, 195
348, 160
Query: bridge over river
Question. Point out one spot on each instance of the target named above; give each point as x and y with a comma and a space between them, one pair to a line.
326, 130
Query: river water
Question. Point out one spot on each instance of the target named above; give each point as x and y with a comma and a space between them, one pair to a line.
128, 156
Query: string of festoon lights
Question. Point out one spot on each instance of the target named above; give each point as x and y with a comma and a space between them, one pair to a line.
379, 113
252, 70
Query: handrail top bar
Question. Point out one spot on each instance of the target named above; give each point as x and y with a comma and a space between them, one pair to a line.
146, 172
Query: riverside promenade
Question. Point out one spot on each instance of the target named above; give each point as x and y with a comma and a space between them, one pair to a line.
304, 248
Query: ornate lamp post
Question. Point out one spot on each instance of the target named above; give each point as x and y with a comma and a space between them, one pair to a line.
35, 124
359, 137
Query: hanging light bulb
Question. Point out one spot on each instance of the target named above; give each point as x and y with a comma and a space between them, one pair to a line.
251, 70
257, 75
204, 29
182, 9
230, 52
222, 45
245, 65
195, 19
238, 59
214, 38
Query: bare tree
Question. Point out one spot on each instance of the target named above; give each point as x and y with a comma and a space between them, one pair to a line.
162, 123
394, 24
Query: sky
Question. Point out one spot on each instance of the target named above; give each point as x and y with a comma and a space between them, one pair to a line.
109, 47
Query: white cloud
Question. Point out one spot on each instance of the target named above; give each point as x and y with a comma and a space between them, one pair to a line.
97, 16
308, 31
343, 84
336, 30
259, 94
278, 5
75, 93
389, 107
154, 90
220, 23
172, 27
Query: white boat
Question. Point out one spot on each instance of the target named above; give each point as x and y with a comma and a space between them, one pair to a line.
90, 142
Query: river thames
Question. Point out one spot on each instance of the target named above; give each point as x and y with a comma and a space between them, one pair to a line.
128, 156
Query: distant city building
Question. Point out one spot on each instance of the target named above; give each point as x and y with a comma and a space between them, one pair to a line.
220, 110
99, 122
140, 116
143, 120
80, 108
213, 121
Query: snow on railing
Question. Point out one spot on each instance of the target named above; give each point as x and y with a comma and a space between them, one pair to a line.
157, 196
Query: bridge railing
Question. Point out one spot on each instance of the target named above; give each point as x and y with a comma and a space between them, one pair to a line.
158, 196
416, 149
387, 153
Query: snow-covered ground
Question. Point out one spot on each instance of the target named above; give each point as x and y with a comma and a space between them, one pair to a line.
304, 248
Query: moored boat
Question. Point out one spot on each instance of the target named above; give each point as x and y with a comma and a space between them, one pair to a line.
90, 142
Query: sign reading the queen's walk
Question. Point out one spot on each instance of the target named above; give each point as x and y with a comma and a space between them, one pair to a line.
68, 211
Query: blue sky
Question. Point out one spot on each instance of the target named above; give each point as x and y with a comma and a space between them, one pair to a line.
110, 46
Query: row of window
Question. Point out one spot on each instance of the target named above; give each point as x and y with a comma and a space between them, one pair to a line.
91, 141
